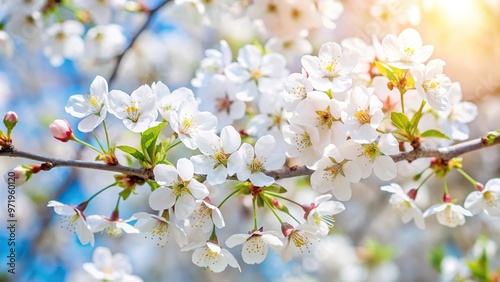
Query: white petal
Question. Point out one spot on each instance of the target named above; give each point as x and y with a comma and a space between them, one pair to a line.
185, 169
161, 199
230, 139
384, 168
184, 206
474, 202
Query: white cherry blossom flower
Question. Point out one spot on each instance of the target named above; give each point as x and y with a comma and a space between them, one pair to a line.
363, 114
168, 103
404, 206
324, 114
206, 216
406, 50
108, 267
297, 240
137, 111
330, 69
160, 228
255, 73
291, 48
255, 244
320, 215
296, 88
271, 119
432, 84
24, 7
100, 10
454, 119
112, 227
64, 41
212, 256
299, 141
218, 95
188, 121
75, 220
219, 158
177, 188
376, 157
336, 172
255, 162
487, 199
213, 64
104, 42
448, 214
91, 107
27, 27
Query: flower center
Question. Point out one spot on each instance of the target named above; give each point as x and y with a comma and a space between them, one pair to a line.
181, 188
186, 125
93, 104
408, 54
133, 112
256, 74
222, 104
490, 198
300, 241
363, 116
221, 158
329, 68
325, 117
272, 8
256, 166
303, 140
371, 151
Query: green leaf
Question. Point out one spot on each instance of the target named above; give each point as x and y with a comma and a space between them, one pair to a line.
125, 193
133, 152
149, 137
436, 256
276, 188
260, 202
400, 120
492, 135
243, 187
386, 70
416, 118
435, 134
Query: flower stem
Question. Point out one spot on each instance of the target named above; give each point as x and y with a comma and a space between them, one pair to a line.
425, 180
229, 196
99, 143
106, 133
100, 191
86, 144
445, 186
281, 197
254, 213
274, 212
471, 180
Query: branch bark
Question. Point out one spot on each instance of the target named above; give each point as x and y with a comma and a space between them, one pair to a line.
445, 153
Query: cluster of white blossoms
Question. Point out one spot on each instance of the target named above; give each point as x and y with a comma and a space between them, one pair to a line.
37, 24
247, 117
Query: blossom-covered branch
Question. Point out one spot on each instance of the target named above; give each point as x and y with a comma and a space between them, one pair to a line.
285, 172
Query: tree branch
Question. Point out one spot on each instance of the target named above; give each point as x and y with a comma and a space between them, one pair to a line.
134, 39
286, 172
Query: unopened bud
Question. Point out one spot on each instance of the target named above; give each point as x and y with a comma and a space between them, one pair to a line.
18, 176
10, 120
479, 186
61, 130
412, 193
286, 229
447, 198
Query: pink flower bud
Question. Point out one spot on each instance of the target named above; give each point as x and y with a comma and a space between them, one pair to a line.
10, 119
286, 229
479, 186
61, 130
17, 176
447, 198
412, 193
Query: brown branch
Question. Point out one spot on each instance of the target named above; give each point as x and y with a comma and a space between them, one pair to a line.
286, 172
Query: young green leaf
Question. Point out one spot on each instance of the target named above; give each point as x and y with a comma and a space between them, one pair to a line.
149, 137
435, 134
400, 120
133, 152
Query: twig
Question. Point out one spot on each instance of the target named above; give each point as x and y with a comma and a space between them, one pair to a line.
286, 172
134, 39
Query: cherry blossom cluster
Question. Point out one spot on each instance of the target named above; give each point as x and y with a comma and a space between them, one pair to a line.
38, 24
352, 108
